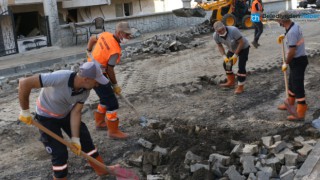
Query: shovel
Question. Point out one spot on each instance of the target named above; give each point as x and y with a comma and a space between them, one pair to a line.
120, 173
290, 108
143, 120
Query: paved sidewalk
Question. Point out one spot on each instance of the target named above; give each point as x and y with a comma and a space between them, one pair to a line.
39, 59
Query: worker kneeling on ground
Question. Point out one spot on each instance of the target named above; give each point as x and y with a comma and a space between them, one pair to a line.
297, 61
106, 51
59, 108
238, 47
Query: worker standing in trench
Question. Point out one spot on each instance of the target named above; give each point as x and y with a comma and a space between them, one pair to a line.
238, 47
297, 60
106, 50
59, 108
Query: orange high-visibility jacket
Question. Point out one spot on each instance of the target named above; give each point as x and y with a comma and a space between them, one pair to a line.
255, 10
106, 46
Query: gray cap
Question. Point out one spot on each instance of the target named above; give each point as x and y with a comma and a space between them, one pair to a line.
218, 25
93, 71
123, 27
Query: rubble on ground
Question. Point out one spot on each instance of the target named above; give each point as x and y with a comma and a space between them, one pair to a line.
271, 157
166, 43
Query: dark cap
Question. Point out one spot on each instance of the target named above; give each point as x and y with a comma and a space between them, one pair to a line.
123, 27
93, 71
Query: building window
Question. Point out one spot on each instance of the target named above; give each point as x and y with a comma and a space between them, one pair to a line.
27, 24
124, 9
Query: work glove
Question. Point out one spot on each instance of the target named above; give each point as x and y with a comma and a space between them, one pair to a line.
225, 59
75, 142
25, 116
280, 39
234, 59
116, 89
284, 67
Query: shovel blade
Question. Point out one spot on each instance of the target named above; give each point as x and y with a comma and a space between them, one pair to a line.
123, 173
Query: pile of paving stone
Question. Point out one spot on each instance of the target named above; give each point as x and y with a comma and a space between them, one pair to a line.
295, 13
166, 43
312, 52
273, 157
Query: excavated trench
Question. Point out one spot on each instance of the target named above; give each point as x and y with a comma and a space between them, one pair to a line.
231, 120
204, 141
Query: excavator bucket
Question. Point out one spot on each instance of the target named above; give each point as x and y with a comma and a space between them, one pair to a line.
189, 12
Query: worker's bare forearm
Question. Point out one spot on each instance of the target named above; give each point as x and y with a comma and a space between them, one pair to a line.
111, 74
75, 120
221, 49
25, 87
91, 43
240, 46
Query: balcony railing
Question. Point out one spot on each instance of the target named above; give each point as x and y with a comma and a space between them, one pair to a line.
84, 3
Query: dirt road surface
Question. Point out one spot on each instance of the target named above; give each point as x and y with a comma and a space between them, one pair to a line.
176, 90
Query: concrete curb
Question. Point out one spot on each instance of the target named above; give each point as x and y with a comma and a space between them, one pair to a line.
18, 70
36, 66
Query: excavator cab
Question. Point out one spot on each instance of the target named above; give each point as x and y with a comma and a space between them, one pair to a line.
230, 12
239, 15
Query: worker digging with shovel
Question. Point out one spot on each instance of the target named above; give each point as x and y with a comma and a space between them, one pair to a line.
297, 60
238, 47
59, 108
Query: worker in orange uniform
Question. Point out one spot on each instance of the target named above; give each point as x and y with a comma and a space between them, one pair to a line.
257, 9
297, 61
105, 49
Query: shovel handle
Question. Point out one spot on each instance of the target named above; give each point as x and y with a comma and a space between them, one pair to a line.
129, 104
284, 73
61, 140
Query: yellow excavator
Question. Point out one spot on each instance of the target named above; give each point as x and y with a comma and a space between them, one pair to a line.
230, 12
